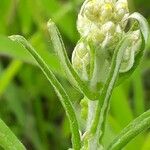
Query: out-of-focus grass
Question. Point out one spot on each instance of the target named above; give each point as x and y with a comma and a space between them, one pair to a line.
28, 104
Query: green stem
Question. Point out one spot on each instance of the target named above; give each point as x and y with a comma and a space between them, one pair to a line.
98, 124
137, 126
8, 140
58, 89
91, 112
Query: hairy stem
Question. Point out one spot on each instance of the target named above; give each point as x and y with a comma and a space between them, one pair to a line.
98, 124
91, 112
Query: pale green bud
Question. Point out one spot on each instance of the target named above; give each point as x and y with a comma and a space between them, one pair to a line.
130, 52
108, 27
102, 23
96, 19
81, 59
121, 9
83, 25
84, 108
91, 10
106, 12
112, 33
96, 36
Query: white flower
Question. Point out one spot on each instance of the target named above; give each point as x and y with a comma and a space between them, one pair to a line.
103, 23
108, 27
121, 9
97, 18
81, 59
106, 11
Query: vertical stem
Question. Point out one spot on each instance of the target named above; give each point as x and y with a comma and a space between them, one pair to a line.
91, 113
98, 124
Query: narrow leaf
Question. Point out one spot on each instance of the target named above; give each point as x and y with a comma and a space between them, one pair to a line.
98, 124
61, 52
137, 126
144, 28
58, 89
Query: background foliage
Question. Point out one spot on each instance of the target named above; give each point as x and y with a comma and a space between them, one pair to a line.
28, 104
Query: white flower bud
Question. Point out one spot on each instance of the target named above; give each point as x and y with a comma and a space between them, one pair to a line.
121, 9
108, 27
102, 22
106, 12
97, 35
81, 59
95, 20
91, 10
83, 25
135, 36
128, 58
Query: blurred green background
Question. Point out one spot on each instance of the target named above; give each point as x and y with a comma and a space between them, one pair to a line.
28, 103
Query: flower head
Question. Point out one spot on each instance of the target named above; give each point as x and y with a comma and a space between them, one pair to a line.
103, 23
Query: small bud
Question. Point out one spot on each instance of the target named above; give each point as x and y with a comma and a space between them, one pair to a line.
83, 25
129, 56
81, 59
103, 23
108, 27
97, 35
106, 12
91, 10
84, 108
121, 9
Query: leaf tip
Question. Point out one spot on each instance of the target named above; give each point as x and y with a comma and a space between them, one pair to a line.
50, 23
15, 37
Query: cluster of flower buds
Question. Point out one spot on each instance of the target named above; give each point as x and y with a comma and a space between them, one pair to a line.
81, 59
103, 23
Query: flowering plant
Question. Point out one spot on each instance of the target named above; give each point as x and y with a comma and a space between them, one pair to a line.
111, 46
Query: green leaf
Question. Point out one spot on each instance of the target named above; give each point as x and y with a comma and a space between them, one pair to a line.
99, 121
61, 52
64, 98
144, 28
137, 126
